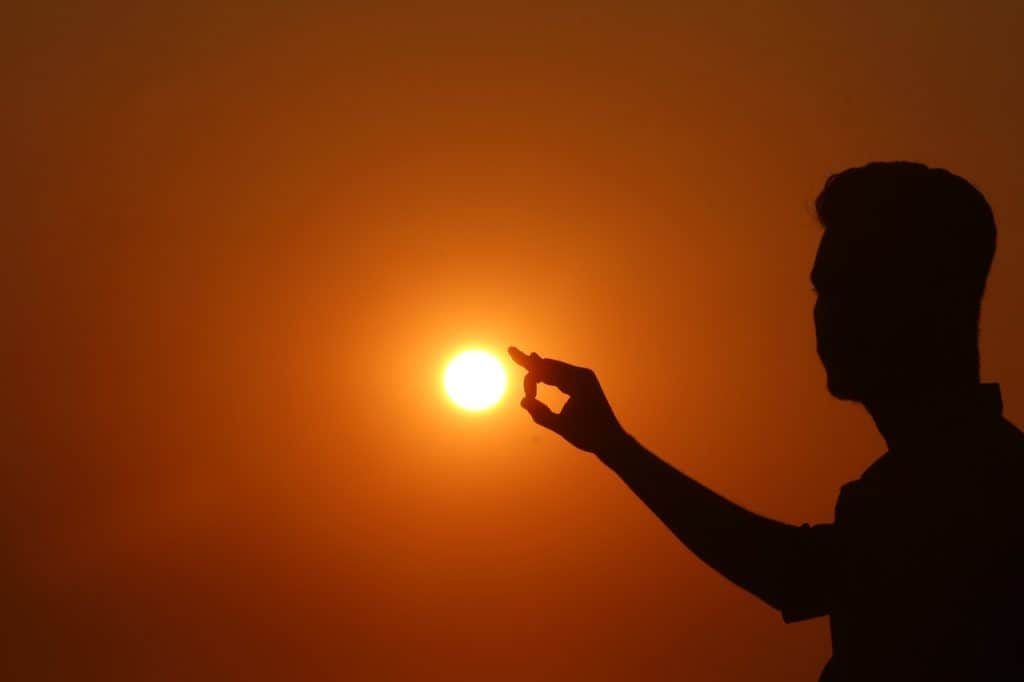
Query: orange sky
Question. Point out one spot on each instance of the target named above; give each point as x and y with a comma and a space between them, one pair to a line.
245, 240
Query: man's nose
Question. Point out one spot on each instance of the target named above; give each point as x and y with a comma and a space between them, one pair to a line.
819, 313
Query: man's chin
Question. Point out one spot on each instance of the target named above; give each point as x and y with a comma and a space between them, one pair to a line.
847, 390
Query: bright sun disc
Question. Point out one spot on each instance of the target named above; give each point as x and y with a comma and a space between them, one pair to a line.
474, 380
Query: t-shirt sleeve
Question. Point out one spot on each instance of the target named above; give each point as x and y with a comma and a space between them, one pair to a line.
808, 573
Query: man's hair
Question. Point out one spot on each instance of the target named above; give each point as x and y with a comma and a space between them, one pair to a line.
933, 225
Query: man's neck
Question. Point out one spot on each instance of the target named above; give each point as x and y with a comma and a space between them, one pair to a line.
908, 417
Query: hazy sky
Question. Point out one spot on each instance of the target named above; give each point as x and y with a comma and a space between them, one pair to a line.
242, 241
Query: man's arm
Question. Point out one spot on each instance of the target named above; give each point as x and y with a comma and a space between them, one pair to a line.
779, 563
786, 566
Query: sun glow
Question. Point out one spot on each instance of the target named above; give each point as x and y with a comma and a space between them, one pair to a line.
475, 380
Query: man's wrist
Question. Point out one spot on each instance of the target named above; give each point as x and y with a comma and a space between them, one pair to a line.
617, 446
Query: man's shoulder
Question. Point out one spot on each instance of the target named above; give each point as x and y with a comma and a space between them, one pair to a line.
996, 451
982, 481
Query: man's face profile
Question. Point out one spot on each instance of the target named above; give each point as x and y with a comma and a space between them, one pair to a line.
857, 318
832, 320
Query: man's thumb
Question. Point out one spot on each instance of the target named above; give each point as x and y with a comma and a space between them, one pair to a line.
540, 412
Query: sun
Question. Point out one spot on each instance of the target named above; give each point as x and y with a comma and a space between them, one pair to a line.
475, 380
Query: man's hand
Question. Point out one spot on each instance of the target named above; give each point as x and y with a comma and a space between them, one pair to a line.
755, 552
586, 420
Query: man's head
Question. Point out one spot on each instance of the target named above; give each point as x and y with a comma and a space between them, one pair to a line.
900, 273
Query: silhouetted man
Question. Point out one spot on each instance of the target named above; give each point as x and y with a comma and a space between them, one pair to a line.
921, 570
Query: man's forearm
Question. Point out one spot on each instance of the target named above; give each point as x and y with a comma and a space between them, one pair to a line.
750, 550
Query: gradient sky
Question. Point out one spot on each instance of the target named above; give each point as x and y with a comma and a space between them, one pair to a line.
243, 239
